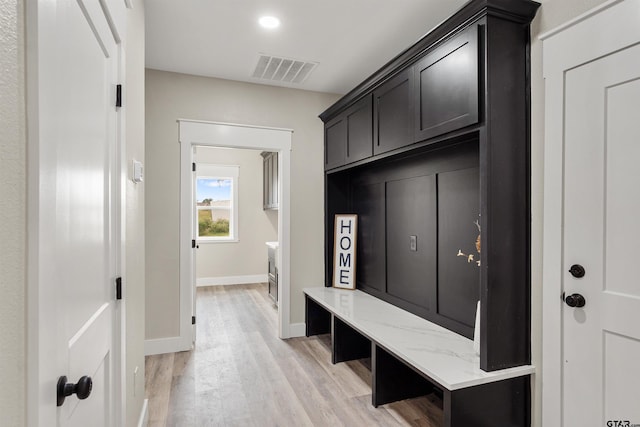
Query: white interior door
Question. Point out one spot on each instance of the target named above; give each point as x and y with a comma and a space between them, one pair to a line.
194, 259
77, 208
601, 341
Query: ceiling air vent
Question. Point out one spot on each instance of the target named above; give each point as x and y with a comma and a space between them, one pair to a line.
283, 69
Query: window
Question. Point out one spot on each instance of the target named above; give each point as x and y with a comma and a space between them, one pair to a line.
216, 202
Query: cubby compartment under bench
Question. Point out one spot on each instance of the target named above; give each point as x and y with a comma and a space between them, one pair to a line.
411, 356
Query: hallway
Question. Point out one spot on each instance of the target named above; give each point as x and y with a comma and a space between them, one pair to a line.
241, 374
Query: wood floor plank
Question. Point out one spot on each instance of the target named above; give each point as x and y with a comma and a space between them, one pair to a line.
345, 379
159, 371
242, 374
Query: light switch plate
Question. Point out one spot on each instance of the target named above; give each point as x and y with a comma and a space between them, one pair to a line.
138, 171
413, 243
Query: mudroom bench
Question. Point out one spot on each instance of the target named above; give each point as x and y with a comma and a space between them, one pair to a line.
411, 357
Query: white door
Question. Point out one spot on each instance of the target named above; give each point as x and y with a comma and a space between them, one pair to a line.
76, 209
194, 258
601, 341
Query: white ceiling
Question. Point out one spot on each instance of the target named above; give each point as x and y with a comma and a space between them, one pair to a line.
350, 39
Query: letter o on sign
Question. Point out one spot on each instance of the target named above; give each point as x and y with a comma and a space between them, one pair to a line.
342, 244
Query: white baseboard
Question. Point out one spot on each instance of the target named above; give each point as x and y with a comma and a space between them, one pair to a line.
232, 280
143, 421
297, 330
164, 345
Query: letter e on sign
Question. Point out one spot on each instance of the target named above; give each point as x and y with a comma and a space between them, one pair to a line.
344, 251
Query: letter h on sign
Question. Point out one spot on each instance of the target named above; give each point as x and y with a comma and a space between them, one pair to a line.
344, 251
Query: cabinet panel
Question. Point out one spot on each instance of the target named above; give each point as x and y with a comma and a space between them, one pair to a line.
266, 178
359, 131
265, 182
412, 215
447, 86
273, 274
335, 143
274, 181
459, 275
393, 113
273, 290
269, 180
368, 203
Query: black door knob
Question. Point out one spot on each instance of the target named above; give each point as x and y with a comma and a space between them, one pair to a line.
577, 271
82, 388
575, 300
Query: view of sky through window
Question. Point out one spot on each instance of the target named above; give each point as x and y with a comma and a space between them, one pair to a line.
213, 188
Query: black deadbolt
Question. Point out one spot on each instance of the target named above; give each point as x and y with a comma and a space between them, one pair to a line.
577, 270
82, 388
575, 300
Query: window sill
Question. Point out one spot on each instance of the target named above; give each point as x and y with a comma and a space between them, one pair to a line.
207, 241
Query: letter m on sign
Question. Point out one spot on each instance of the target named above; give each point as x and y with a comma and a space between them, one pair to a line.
345, 234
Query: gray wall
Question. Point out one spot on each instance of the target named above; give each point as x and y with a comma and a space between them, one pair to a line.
552, 14
248, 256
12, 214
134, 282
172, 96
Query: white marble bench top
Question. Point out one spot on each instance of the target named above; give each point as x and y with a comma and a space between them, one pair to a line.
444, 356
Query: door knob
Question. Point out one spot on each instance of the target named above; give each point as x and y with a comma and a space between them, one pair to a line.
82, 388
575, 300
577, 271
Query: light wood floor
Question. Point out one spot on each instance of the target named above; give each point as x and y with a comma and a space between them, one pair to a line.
241, 374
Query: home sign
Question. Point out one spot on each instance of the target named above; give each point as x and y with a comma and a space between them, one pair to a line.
344, 250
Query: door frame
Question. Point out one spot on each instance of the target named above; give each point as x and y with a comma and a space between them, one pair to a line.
39, 310
232, 135
605, 29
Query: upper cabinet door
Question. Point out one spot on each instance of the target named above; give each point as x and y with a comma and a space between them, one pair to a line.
274, 181
335, 142
349, 137
359, 131
447, 86
393, 113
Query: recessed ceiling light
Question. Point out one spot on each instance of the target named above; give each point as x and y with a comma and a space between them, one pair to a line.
269, 22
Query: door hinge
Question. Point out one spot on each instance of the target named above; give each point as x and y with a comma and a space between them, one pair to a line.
118, 288
193, 320
118, 95
193, 167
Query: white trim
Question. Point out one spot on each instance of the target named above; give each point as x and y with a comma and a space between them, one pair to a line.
559, 47
233, 124
578, 19
143, 420
297, 330
166, 345
207, 240
231, 280
234, 136
120, 191
193, 133
33, 12
581, 40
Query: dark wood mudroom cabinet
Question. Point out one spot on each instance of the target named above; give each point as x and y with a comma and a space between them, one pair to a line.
432, 153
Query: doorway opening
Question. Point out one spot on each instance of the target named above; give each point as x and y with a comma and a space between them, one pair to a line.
235, 220
224, 135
